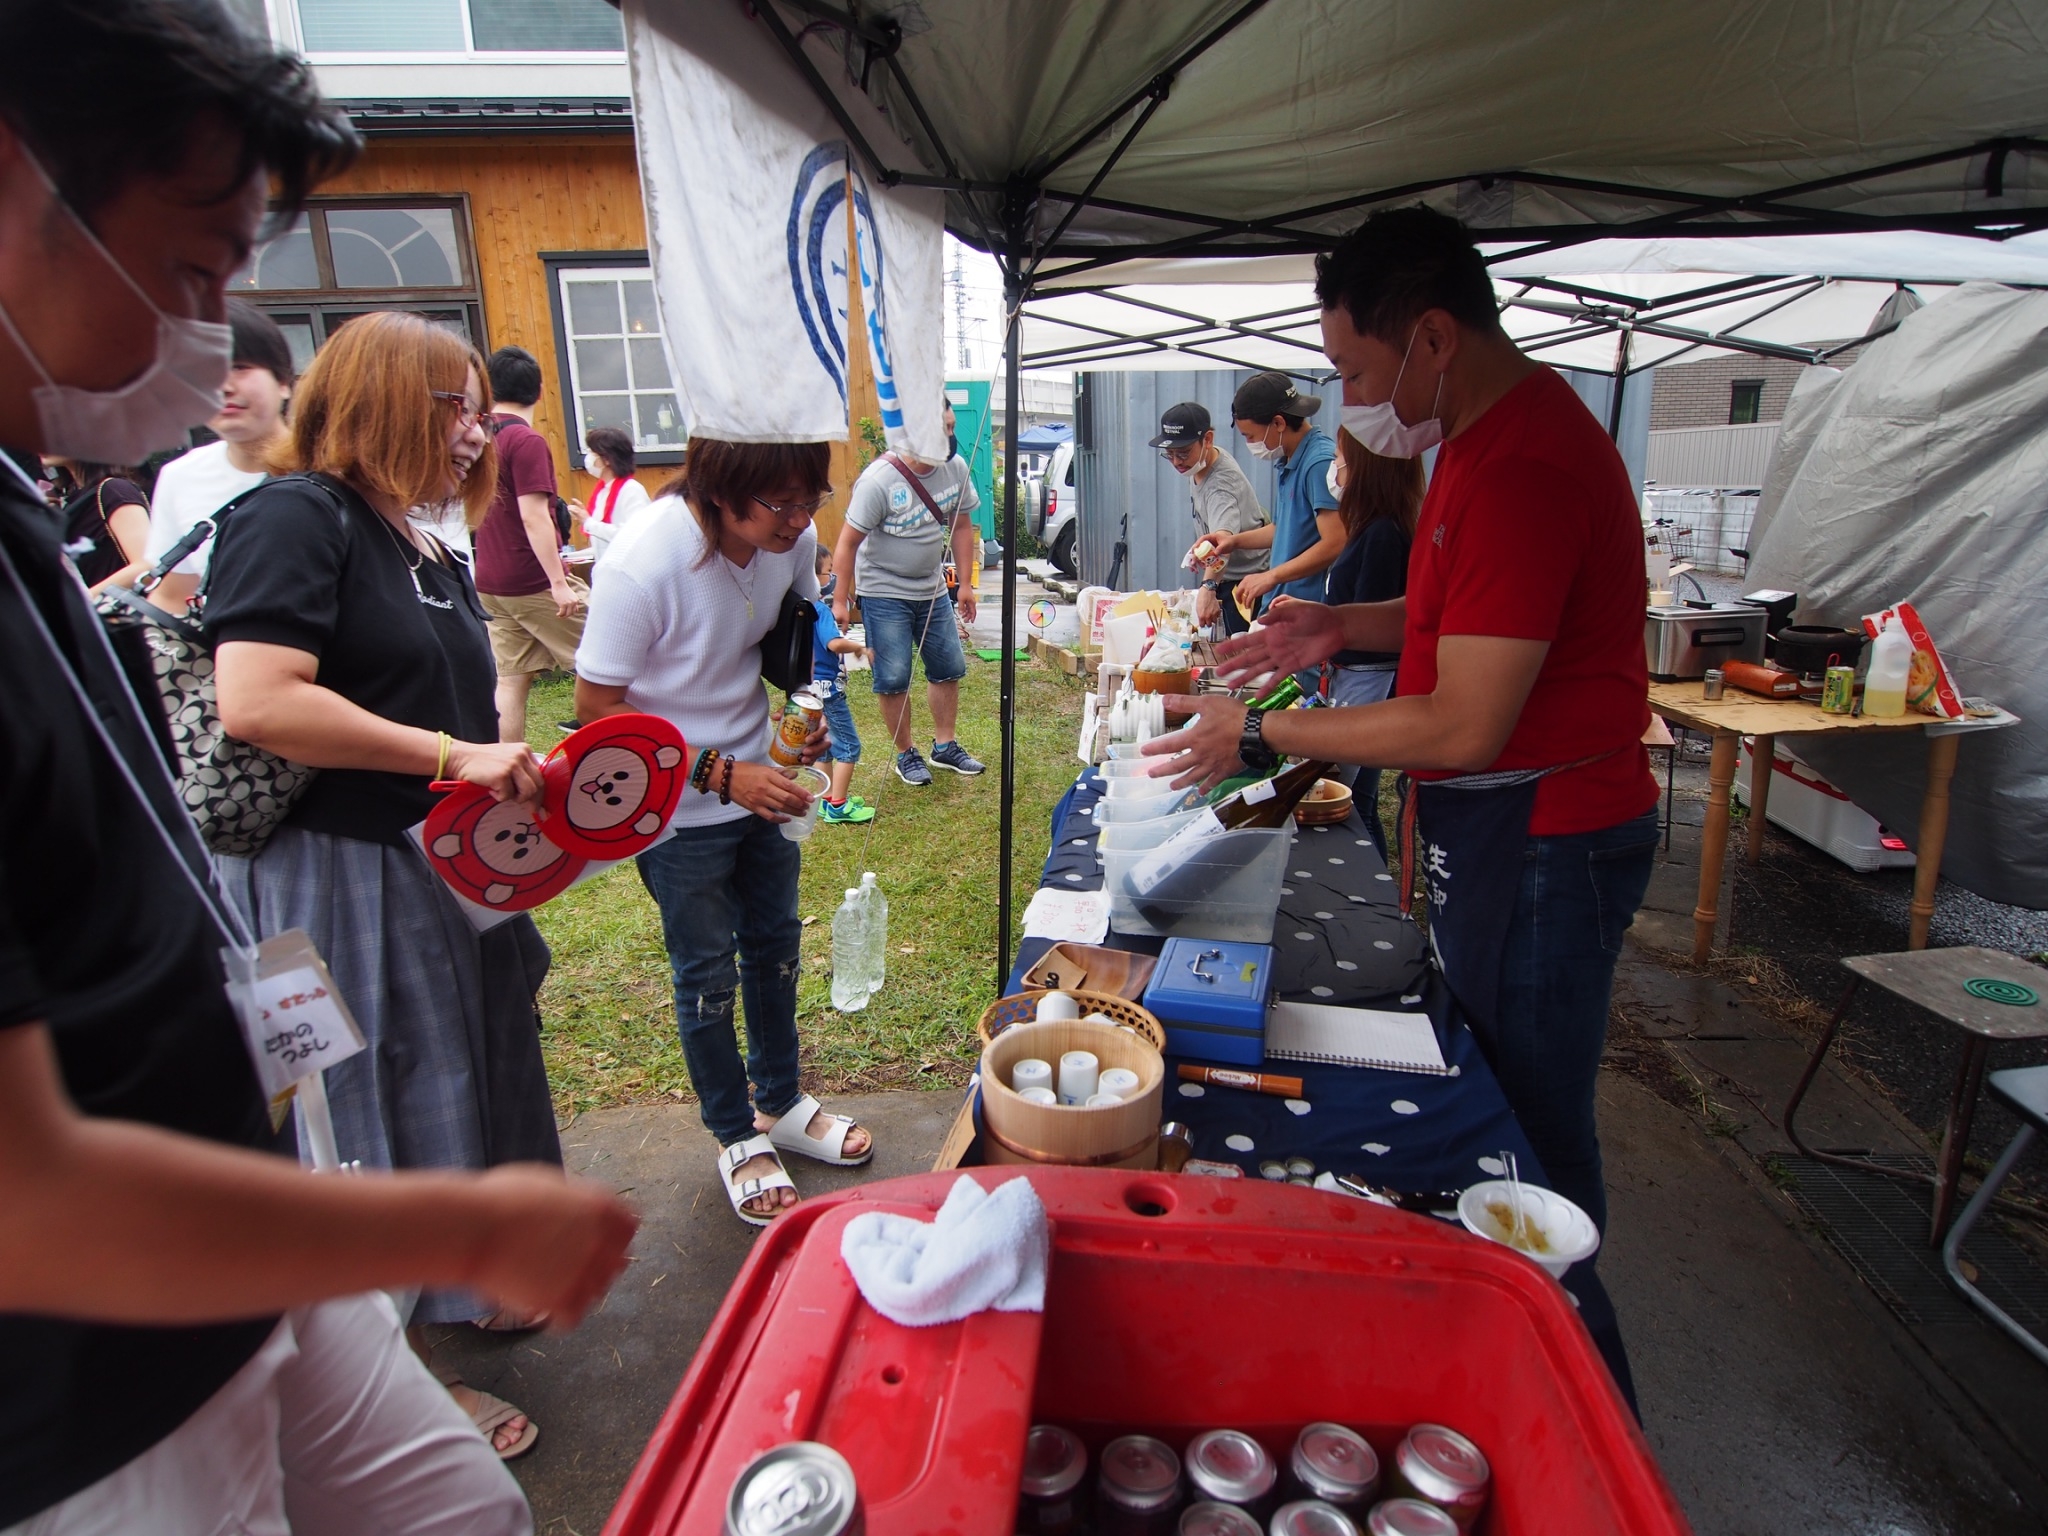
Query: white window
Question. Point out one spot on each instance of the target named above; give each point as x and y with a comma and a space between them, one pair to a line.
459, 26
616, 357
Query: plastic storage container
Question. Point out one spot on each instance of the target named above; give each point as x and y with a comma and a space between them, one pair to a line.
1136, 836
1211, 996
1239, 899
1109, 812
1176, 1304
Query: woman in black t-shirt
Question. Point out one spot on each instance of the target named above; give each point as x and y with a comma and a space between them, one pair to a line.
105, 511
349, 639
1378, 499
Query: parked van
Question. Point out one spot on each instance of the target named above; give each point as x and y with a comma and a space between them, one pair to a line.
1055, 513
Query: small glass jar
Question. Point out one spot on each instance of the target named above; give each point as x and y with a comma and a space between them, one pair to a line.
1049, 1494
1137, 1487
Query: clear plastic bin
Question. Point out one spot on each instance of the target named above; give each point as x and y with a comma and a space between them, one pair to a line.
1131, 767
1128, 808
1127, 836
1238, 876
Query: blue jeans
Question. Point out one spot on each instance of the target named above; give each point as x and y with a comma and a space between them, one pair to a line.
729, 892
839, 721
897, 627
1579, 893
1357, 685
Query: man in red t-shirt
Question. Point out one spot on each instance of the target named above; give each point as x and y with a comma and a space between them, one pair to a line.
1522, 694
536, 617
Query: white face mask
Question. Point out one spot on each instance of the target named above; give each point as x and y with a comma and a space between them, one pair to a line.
1380, 428
181, 389
1336, 485
1264, 450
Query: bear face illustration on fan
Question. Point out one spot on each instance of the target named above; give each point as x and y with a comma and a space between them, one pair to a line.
612, 786
494, 853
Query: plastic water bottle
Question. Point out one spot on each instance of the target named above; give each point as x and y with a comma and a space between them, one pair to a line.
875, 907
849, 955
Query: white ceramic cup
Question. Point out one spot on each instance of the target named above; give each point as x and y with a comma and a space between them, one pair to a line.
1078, 1073
1121, 1081
1031, 1073
1057, 1007
813, 782
1103, 1101
1037, 1096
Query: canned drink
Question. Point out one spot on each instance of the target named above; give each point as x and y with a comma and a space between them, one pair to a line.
1048, 1497
1312, 1517
799, 1489
1336, 1465
1138, 1487
1838, 690
1441, 1467
799, 718
1409, 1517
1230, 1467
1211, 1519
1713, 684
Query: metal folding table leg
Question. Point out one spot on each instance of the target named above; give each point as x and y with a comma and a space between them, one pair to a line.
1952, 1247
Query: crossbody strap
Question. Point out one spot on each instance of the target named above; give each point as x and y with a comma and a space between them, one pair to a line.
911, 477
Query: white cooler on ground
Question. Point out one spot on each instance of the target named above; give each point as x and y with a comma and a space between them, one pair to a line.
1808, 806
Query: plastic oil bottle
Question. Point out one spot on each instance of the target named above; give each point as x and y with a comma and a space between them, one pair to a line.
875, 913
1891, 661
849, 955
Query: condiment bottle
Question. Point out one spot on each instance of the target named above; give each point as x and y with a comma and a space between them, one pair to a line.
1336, 1465
1442, 1467
1137, 1487
1048, 1498
1891, 663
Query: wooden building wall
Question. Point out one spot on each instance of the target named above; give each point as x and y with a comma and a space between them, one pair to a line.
529, 194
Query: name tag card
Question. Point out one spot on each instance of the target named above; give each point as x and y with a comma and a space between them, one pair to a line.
294, 1021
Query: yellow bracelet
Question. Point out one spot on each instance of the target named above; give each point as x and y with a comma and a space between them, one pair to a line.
441, 768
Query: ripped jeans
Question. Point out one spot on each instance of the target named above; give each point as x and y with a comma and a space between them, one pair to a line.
728, 900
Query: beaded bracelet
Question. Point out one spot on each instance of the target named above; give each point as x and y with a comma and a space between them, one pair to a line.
700, 776
725, 785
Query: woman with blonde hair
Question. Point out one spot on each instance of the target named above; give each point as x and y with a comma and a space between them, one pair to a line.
348, 638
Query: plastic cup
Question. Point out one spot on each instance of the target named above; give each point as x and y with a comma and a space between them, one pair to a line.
813, 782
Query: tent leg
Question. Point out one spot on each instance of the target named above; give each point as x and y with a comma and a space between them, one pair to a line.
1620, 384
1014, 289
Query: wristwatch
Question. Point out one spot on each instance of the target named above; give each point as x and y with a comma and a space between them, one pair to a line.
1251, 746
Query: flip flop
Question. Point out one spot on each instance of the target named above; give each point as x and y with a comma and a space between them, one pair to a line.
792, 1133
738, 1155
505, 1320
492, 1412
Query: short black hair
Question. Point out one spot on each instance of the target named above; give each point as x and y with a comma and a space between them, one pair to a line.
258, 341
515, 376
612, 445
1401, 262
104, 91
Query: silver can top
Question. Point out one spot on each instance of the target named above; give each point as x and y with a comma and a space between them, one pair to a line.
1211, 1519
1443, 1466
1312, 1517
1053, 1462
799, 1489
1229, 1466
1139, 1472
1409, 1517
1336, 1464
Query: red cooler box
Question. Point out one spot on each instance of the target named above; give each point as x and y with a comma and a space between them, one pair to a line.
1175, 1305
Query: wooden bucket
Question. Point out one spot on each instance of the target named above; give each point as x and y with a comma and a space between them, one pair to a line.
1123, 1135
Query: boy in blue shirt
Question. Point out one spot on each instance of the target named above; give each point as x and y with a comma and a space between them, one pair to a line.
828, 681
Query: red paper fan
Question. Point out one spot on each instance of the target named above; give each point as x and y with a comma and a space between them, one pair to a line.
495, 854
612, 786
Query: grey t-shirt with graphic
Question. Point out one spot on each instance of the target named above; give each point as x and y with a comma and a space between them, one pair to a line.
903, 553
1224, 502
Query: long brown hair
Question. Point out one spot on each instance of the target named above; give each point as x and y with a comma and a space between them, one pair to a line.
729, 475
1376, 487
365, 411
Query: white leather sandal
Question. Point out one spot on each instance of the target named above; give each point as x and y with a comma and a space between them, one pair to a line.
739, 1192
792, 1133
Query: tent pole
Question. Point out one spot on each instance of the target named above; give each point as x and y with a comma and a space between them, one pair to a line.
1014, 289
1620, 383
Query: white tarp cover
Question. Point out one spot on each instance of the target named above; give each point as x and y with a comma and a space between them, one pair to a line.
746, 182
1922, 473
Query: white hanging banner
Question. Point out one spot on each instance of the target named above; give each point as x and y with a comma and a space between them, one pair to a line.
747, 181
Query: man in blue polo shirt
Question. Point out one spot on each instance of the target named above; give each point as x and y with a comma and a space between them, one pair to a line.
1306, 535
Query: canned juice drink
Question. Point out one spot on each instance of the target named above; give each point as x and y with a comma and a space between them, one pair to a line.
1227, 1466
1048, 1497
1336, 1465
1312, 1517
1838, 691
799, 1489
1137, 1487
1441, 1467
1409, 1517
799, 718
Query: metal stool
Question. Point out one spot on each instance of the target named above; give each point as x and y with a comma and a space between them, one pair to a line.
1987, 994
2024, 1091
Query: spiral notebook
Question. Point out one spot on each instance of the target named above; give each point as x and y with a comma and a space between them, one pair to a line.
1354, 1037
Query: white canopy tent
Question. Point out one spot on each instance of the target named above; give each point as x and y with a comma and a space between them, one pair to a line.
1073, 137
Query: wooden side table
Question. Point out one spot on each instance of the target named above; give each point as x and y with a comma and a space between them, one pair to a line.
1736, 715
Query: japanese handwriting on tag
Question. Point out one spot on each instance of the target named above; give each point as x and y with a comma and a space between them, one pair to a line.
294, 1021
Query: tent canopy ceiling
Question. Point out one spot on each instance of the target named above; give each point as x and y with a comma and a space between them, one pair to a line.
1071, 133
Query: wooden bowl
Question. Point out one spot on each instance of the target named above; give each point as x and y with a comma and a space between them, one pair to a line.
1327, 802
1162, 682
1022, 1008
1093, 968
1124, 1135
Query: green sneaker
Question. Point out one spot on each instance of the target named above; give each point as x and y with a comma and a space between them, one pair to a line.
851, 812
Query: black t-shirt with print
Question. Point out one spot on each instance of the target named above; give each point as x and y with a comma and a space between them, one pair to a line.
103, 939
320, 571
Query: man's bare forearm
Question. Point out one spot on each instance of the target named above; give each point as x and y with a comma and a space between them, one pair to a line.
543, 536
1374, 626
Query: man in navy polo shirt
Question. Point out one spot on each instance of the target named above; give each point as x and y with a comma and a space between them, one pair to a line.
1306, 536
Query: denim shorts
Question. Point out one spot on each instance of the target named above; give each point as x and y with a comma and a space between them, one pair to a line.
839, 721
896, 627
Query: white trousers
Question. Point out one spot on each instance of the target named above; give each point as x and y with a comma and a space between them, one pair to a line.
333, 1428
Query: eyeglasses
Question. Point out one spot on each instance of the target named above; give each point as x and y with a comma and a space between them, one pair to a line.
1176, 455
795, 508
467, 412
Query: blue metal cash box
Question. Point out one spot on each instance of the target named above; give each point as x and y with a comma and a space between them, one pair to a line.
1211, 996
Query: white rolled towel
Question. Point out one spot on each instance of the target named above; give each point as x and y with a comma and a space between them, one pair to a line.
984, 1249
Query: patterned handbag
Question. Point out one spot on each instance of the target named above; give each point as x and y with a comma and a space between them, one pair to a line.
238, 793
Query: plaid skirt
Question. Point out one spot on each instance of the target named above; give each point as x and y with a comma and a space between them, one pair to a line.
453, 1076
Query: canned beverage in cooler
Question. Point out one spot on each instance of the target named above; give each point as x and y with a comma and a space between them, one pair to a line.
1336, 1465
1229, 1467
799, 1489
800, 717
1211, 1519
1409, 1517
1441, 1467
1048, 1498
1312, 1517
1137, 1487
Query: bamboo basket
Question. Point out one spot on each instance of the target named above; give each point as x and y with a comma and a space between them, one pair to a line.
1022, 1008
1123, 1135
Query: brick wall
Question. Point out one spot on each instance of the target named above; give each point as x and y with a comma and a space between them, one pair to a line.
1696, 394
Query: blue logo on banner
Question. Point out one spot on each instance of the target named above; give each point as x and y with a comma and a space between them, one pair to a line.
822, 184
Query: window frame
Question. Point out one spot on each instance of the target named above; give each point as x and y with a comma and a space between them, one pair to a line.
469, 49
554, 263
1753, 391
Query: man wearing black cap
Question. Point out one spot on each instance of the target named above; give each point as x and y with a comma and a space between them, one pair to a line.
1224, 502
1306, 535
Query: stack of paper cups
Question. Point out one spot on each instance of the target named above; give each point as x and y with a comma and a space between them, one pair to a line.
1119, 1081
1037, 1095
1079, 1071
1031, 1073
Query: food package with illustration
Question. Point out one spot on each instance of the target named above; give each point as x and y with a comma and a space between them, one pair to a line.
1930, 688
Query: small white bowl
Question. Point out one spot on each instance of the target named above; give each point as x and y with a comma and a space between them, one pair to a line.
1569, 1230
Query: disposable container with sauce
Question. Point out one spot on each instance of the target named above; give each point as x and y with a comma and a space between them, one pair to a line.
1137, 1488
1050, 1493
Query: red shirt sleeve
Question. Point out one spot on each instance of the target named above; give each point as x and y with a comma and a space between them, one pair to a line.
1515, 551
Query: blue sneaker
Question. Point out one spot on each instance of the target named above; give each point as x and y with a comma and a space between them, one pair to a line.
854, 810
956, 757
911, 770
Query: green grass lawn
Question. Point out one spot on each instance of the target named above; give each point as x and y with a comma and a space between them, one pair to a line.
609, 1022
